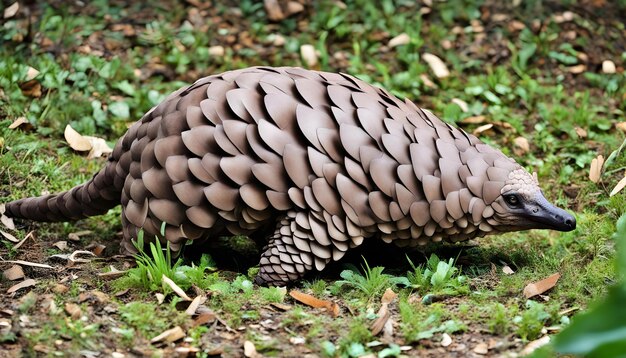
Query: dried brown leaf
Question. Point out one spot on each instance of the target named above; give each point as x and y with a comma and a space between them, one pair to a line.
14, 273
534, 345
11, 10
9, 236
98, 249
179, 291
481, 348
19, 244
7, 222
383, 313
273, 10
595, 170
621, 125
461, 103
18, 122
309, 300
474, 120
507, 270
608, 67
309, 55
249, 350
402, 39
61, 245
483, 128
26, 283
522, 144
427, 81
438, 67
73, 310
539, 287
31, 88
193, 306
76, 140
204, 318
580, 132
576, 69
620, 185
27, 263
169, 336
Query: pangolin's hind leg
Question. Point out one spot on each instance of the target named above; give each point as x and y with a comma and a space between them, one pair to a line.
295, 249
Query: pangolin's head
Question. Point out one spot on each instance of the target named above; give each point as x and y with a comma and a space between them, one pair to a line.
523, 206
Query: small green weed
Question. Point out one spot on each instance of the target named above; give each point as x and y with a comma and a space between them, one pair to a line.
372, 283
437, 277
423, 323
531, 321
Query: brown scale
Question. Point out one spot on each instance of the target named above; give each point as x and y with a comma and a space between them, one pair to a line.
328, 159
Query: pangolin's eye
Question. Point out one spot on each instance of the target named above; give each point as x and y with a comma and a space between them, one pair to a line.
512, 200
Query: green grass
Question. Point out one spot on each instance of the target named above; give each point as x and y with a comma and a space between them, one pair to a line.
527, 91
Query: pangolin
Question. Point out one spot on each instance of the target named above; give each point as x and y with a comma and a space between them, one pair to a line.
317, 162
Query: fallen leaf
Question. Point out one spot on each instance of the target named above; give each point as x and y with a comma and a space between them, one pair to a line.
160, 297
98, 249
481, 348
437, 65
31, 88
539, 287
99, 147
193, 306
204, 318
427, 82
522, 144
308, 54
297, 340
76, 140
507, 270
179, 291
11, 10
31, 73
309, 300
60, 289
73, 310
249, 350
9, 236
217, 51
273, 10
596, 168
580, 132
576, 69
446, 340
461, 103
27, 263
620, 185
19, 244
18, 122
14, 273
26, 283
7, 222
113, 274
294, 7
169, 336
483, 128
534, 345
402, 39
474, 120
608, 67
383, 313
61, 245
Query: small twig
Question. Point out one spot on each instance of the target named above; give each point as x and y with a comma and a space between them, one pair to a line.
19, 244
26, 263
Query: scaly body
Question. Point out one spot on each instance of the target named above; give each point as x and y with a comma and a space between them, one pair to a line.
325, 160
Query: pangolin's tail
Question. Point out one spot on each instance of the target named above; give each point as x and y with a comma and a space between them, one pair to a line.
101, 193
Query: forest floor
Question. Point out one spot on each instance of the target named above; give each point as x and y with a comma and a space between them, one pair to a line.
540, 80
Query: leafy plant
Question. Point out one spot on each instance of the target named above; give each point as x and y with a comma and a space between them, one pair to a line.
437, 276
373, 281
601, 332
152, 267
531, 321
420, 324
